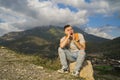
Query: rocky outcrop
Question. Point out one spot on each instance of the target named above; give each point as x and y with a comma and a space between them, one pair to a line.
86, 71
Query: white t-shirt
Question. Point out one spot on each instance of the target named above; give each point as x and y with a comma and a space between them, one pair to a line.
72, 47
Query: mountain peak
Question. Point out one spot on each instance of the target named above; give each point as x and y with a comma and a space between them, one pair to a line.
50, 33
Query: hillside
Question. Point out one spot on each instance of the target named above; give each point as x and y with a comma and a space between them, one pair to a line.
44, 41
40, 40
110, 48
49, 33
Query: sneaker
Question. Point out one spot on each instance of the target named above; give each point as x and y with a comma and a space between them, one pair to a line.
75, 73
63, 70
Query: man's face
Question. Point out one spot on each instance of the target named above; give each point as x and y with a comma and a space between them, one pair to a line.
69, 30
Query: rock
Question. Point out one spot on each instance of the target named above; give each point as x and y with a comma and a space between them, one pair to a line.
40, 67
86, 71
2, 47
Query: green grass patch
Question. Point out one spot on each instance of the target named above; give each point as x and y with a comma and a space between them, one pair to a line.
104, 69
53, 64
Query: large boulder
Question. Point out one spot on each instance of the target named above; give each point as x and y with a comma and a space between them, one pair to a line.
86, 71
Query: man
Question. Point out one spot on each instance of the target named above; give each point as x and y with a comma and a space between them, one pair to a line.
71, 49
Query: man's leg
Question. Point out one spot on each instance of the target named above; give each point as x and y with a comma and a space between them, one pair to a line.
65, 55
63, 59
80, 60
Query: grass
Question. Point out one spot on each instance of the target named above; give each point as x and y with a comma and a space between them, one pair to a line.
106, 70
103, 69
47, 63
36, 59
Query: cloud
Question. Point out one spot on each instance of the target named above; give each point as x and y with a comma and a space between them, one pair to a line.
44, 12
19, 6
95, 6
11, 17
114, 5
25, 14
113, 8
102, 31
50, 13
5, 28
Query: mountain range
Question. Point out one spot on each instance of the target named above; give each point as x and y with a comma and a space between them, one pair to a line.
44, 40
49, 33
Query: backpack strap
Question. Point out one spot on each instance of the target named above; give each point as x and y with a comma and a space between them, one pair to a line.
76, 37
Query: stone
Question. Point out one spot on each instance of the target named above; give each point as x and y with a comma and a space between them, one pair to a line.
86, 71
40, 67
2, 47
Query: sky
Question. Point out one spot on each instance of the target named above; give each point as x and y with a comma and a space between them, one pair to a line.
97, 17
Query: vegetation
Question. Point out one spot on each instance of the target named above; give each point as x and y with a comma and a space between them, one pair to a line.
109, 49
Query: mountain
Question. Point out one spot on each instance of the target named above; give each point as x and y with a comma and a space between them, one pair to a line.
48, 33
110, 49
41, 40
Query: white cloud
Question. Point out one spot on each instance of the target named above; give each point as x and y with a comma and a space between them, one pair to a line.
43, 13
95, 6
50, 13
5, 28
11, 17
97, 32
75, 3
114, 5
102, 31
25, 14
47, 12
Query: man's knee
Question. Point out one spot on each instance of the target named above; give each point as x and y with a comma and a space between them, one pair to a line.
82, 51
60, 49
82, 54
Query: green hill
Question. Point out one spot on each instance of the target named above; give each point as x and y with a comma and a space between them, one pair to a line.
110, 48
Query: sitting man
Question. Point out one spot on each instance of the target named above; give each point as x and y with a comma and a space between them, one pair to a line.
72, 48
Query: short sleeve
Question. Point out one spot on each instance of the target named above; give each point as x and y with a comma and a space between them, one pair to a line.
62, 39
81, 38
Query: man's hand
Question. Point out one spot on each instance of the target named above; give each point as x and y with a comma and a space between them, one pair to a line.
68, 35
65, 41
80, 46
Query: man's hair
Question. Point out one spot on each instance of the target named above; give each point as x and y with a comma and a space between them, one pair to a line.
66, 26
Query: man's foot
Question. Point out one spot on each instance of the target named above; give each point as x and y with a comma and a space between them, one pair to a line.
75, 73
63, 71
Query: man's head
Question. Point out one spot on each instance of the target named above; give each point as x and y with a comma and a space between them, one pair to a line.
68, 29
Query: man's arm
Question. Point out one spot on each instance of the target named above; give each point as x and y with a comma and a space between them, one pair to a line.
80, 46
64, 42
80, 43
